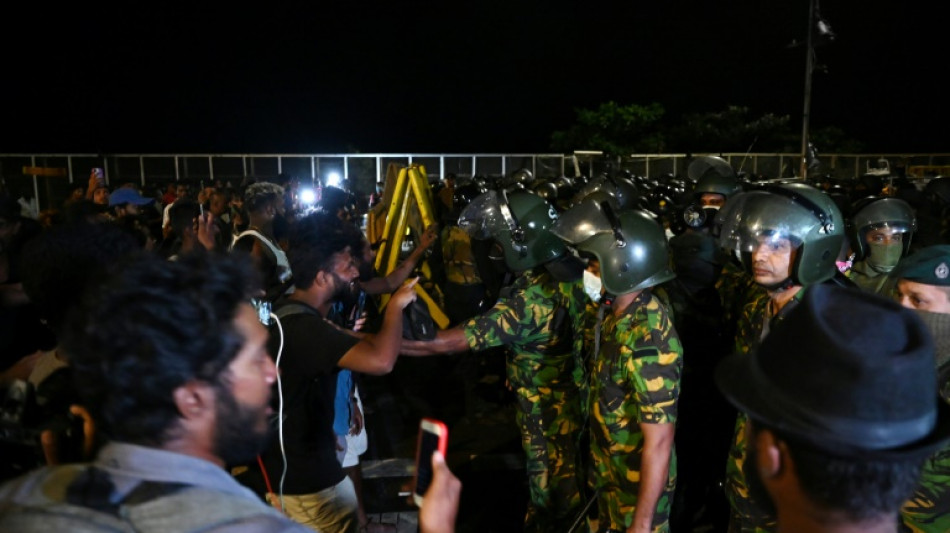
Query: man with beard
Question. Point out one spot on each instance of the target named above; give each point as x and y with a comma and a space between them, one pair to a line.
308, 481
843, 409
788, 237
171, 361
349, 312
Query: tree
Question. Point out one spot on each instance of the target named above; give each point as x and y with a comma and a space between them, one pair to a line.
831, 139
614, 129
732, 130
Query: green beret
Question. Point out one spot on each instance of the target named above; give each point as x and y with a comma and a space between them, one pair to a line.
930, 266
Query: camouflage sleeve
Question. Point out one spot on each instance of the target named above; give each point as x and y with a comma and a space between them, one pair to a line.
928, 508
655, 367
511, 321
749, 325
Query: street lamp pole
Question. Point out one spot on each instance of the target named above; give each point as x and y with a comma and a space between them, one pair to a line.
809, 68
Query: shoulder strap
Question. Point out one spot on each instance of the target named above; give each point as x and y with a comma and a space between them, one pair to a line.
294, 309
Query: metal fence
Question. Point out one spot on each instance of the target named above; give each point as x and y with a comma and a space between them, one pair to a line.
47, 179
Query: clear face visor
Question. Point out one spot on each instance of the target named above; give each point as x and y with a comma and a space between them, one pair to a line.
587, 219
755, 219
886, 233
773, 242
486, 216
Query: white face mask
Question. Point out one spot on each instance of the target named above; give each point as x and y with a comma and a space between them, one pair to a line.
592, 285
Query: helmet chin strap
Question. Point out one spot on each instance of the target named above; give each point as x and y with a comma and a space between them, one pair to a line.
783, 285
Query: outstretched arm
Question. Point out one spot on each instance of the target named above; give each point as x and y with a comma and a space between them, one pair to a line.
445, 341
382, 285
376, 354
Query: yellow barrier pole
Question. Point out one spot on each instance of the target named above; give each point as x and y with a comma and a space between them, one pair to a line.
398, 192
394, 239
421, 190
397, 237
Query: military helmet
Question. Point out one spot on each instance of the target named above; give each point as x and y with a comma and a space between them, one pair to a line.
712, 175
875, 212
795, 211
523, 176
462, 196
623, 189
715, 183
520, 222
630, 245
545, 189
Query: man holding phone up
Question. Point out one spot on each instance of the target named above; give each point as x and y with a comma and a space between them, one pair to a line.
635, 366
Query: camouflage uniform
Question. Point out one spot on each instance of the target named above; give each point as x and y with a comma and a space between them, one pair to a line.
746, 516
928, 509
635, 380
871, 280
535, 318
736, 288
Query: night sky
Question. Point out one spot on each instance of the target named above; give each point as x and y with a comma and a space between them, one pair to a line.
452, 77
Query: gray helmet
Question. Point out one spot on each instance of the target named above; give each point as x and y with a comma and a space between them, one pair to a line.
798, 212
546, 190
519, 222
630, 245
714, 183
714, 175
877, 212
623, 189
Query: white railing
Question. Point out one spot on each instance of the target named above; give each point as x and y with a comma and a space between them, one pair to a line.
49, 177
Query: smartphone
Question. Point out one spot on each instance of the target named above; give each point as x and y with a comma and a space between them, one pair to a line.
433, 435
100, 174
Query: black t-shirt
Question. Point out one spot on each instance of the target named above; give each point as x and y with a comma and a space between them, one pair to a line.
308, 370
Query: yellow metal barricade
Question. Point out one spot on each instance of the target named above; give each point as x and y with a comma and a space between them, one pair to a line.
410, 208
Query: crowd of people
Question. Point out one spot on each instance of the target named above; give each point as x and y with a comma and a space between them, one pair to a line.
708, 352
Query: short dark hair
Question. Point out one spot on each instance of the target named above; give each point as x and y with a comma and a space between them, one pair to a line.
862, 487
155, 326
181, 215
314, 242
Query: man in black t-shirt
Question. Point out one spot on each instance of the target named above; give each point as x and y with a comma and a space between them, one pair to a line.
315, 491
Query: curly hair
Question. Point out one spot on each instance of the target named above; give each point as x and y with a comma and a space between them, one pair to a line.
314, 242
155, 326
261, 194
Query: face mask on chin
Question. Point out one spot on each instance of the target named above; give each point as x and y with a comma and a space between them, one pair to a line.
592, 285
884, 257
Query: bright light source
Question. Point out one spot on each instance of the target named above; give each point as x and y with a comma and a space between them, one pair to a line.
334, 179
307, 196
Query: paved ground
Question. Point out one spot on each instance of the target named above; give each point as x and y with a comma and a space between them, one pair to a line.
484, 443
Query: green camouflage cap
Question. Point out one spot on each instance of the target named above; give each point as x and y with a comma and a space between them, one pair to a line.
930, 266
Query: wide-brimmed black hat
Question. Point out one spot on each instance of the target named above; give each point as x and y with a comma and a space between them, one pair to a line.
847, 371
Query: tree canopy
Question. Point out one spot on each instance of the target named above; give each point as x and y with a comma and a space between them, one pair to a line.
633, 128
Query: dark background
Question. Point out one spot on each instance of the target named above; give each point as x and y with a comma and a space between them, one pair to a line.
321, 77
